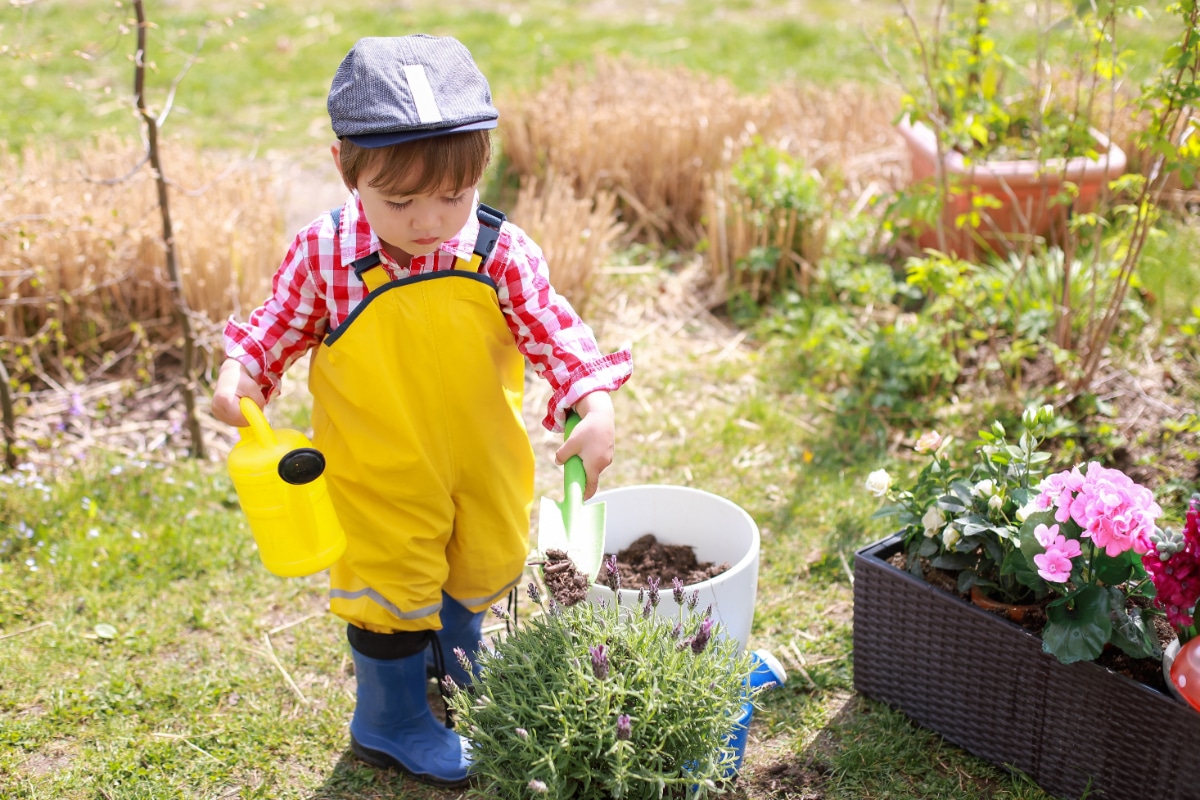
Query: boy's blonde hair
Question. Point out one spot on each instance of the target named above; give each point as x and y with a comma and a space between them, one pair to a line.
422, 166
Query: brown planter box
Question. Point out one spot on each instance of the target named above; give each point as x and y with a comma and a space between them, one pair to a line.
984, 684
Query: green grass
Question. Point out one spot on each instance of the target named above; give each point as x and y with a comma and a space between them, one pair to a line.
263, 72
262, 78
135, 614
149, 676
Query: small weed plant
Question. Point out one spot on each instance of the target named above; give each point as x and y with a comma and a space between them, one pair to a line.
593, 702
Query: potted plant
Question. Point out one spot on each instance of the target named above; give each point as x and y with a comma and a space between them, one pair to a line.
1002, 154
1173, 563
1079, 541
595, 701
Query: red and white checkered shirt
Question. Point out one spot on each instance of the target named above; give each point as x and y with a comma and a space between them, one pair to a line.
315, 289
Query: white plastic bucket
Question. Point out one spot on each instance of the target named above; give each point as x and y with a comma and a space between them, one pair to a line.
719, 531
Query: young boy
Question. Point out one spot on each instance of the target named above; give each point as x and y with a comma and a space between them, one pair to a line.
420, 304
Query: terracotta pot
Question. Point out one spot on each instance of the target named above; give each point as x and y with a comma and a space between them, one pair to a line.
1024, 188
1016, 613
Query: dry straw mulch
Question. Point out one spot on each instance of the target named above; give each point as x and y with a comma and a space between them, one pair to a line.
663, 142
81, 248
615, 153
576, 234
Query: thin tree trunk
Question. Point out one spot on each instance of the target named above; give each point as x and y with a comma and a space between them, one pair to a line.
182, 311
9, 420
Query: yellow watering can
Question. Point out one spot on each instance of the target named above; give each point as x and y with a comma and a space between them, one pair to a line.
278, 477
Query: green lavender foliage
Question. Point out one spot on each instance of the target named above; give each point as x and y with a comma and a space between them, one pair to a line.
542, 722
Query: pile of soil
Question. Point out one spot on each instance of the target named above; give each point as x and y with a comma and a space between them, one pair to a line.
567, 584
647, 558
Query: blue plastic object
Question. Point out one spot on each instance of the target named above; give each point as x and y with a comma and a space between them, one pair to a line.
393, 726
766, 673
460, 628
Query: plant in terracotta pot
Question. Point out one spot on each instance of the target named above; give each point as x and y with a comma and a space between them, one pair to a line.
595, 701
1003, 151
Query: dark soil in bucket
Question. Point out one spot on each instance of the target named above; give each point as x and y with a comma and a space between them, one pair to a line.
646, 558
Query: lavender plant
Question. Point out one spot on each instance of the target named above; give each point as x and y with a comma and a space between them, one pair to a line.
592, 702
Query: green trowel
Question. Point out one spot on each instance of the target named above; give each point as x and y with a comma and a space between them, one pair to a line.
570, 525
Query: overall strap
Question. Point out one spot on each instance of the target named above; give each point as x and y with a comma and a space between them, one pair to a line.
490, 221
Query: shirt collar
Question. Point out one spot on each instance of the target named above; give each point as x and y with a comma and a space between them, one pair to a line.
360, 239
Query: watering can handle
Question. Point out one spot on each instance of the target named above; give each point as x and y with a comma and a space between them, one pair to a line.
258, 423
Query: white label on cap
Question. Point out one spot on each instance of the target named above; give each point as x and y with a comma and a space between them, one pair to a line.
422, 93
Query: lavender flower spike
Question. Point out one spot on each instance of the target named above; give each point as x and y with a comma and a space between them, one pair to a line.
653, 582
677, 590
599, 661
624, 727
700, 640
612, 573
499, 611
463, 661
532, 591
693, 600
449, 687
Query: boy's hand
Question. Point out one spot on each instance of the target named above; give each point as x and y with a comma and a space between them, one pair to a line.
592, 440
234, 383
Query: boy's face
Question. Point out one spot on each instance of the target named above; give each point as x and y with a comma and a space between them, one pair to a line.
413, 224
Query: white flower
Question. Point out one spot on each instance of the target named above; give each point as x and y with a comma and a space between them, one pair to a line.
985, 488
996, 502
933, 521
1029, 508
950, 536
878, 482
929, 442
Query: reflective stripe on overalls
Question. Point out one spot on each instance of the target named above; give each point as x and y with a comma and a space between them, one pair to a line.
417, 408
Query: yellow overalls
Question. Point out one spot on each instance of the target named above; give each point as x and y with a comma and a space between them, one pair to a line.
417, 408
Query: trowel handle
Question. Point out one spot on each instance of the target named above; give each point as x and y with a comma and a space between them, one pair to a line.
258, 423
574, 475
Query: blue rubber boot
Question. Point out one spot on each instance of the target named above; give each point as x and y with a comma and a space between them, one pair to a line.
460, 628
394, 728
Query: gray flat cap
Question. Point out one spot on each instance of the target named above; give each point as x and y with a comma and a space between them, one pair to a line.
396, 89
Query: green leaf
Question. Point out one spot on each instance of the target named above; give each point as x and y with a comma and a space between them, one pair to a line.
1024, 570
1113, 570
1078, 626
1131, 632
105, 631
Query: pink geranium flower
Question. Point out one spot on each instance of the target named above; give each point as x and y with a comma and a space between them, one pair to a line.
1116, 513
1057, 491
1054, 565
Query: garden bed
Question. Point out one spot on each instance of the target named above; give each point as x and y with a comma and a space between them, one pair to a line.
984, 683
